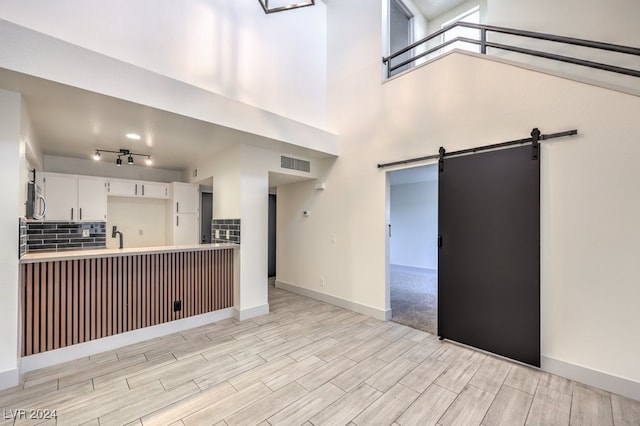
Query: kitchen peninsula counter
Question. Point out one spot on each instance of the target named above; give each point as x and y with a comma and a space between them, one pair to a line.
76, 296
49, 256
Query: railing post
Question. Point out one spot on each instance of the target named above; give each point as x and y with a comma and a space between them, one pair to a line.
483, 41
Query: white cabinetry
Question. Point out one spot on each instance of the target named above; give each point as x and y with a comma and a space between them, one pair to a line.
75, 198
183, 215
133, 188
155, 190
92, 199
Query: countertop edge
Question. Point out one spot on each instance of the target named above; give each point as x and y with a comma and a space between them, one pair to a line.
98, 253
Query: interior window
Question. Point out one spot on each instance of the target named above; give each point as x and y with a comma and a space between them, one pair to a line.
400, 31
472, 15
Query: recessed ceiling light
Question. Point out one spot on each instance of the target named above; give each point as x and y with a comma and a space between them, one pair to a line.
133, 136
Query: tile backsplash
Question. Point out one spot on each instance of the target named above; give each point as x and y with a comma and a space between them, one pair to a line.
220, 227
22, 236
54, 236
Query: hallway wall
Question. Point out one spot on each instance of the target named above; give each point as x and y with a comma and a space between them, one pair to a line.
414, 225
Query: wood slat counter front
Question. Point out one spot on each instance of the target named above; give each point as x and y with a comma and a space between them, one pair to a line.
76, 296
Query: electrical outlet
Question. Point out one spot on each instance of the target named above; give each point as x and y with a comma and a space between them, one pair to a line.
140, 232
321, 282
177, 305
86, 233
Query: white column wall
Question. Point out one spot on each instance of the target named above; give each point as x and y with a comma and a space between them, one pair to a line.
10, 175
240, 191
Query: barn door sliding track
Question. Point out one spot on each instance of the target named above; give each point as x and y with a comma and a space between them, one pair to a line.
536, 137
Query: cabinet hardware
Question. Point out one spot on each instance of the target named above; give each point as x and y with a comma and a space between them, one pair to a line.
143, 190
136, 189
165, 192
80, 213
177, 207
71, 213
177, 220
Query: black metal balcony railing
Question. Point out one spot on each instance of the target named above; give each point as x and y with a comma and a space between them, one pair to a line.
483, 44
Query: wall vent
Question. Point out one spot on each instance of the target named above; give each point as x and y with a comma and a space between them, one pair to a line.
295, 164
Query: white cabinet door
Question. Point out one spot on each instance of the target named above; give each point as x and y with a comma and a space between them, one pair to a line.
186, 228
61, 193
123, 188
92, 199
155, 190
185, 198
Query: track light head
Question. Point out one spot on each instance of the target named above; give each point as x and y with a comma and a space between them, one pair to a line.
96, 155
130, 160
119, 161
148, 161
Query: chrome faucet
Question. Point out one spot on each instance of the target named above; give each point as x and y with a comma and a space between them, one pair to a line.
115, 231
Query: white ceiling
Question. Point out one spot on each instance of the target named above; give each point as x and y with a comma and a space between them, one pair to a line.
72, 122
414, 175
434, 8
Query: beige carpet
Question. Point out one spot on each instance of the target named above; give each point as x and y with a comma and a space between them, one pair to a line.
414, 298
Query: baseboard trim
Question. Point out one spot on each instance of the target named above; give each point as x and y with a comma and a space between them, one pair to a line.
9, 378
599, 379
413, 268
249, 313
81, 350
383, 315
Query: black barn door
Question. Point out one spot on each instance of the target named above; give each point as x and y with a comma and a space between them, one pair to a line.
489, 259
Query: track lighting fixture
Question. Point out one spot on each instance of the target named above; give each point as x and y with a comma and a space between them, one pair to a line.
271, 6
121, 153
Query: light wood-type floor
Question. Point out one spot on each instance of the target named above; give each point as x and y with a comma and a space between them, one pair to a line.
308, 363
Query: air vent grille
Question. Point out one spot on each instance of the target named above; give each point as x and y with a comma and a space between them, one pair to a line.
295, 164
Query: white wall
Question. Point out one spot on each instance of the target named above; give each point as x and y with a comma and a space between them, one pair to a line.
10, 176
226, 47
612, 22
142, 221
589, 233
414, 225
40, 55
79, 166
436, 23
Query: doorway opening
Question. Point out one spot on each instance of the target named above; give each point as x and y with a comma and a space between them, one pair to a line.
206, 210
272, 237
413, 247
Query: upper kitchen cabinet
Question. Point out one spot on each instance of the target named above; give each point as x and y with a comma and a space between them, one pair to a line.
92, 199
132, 188
75, 198
185, 197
